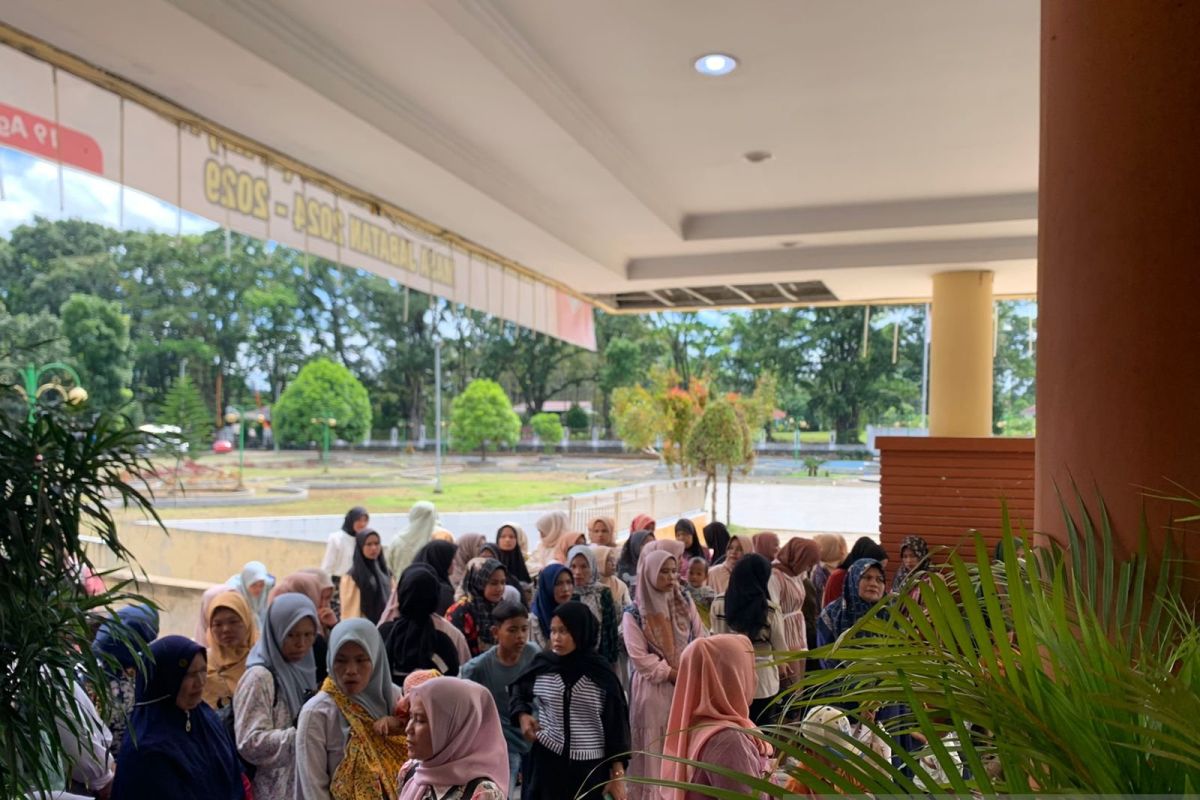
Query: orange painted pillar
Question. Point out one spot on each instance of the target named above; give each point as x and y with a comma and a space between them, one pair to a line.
1118, 396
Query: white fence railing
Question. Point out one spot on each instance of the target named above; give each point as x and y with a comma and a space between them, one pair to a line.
659, 499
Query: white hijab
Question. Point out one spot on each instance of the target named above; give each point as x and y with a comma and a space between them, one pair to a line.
422, 519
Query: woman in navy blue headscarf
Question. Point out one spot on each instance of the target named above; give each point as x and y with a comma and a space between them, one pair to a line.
176, 745
117, 652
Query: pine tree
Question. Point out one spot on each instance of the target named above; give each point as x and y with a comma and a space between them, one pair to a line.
183, 406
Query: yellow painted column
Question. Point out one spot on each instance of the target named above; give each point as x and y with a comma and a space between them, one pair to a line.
960, 355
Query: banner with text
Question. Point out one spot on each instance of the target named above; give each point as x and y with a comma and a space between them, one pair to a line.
82, 128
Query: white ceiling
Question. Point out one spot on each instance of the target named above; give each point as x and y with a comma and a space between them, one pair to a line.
574, 137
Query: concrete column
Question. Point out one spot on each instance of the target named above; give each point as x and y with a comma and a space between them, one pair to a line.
960, 355
1118, 405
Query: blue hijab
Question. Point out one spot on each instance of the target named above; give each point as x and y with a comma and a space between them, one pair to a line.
840, 615
141, 628
167, 750
543, 601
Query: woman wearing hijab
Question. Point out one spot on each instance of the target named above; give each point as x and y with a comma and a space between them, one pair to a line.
603, 531
571, 707
747, 608
554, 587
484, 583
631, 552
422, 520
766, 544
232, 631
281, 675
340, 755
551, 527
710, 719
716, 535
657, 627
606, 562
455, 737
339, 549
685, 532
863, 587
412, 640
175, 743
469, 546
308, 583
438, 556
642, 522
254, 583
201, 634
833, 550
565, 543
512, 554
718, 576
597, 597
863, 548
795, 559
366, 587
914, 558
123, 655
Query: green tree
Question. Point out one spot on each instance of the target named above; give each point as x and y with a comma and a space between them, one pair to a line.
483, 415
718, 439
31, 338
185, 408
322, 388
577, 419
843, 382
1015, 366
548, 428
540, 366
99, 340
637, 417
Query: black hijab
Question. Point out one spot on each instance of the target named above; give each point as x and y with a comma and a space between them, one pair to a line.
696, 550
513, 560
747, 598
717, 536
438, 556
583, 660
353, 516
411, 639
863, 548
630, 553
371, 576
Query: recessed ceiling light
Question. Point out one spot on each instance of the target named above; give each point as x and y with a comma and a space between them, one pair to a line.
790, 243
758, 156
715, 64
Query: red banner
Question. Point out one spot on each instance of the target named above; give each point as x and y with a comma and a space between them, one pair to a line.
41, 137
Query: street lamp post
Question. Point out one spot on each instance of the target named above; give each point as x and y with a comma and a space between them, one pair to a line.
437, 415
326, 422
32, 388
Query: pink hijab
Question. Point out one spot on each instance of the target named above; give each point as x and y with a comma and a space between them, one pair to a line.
551, 528
468, 742
672, 546
713, 692
642, 522
764, 542
666, 623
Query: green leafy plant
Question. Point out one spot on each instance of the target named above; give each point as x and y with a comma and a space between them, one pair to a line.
548, 429
63, 474
185, 408
322, 390
483, 415
577, 419
720, 438
1069, 671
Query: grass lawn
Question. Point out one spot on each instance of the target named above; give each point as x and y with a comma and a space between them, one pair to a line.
461, 492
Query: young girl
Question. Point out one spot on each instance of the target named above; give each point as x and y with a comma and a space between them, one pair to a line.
484, 584
718, 576
580, 733
555, 587
339, 548
685, 532
696, 587
367, 586
597, 597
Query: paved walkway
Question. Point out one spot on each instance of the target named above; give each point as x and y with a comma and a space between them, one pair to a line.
815, 509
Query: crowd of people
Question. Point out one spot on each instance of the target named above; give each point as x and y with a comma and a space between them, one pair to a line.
432, 667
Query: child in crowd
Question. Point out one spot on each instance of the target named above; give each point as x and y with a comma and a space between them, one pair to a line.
696, 587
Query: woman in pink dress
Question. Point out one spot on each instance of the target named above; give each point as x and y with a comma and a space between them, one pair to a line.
657, 627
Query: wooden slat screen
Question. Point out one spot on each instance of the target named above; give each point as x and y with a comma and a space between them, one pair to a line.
940, 488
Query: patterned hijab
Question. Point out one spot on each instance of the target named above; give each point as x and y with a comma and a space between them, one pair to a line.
840, 615
921, 550
664, 616
479, 573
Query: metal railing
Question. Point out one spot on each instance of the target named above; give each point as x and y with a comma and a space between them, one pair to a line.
659, 499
